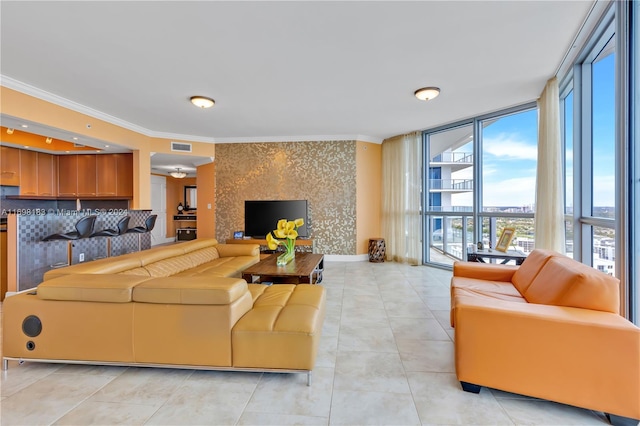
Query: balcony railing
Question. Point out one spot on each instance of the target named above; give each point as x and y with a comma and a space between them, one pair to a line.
453, 157
451, 184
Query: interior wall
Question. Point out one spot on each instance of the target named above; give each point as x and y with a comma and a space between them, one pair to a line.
324, 173
206, 181
368, 197
20, 105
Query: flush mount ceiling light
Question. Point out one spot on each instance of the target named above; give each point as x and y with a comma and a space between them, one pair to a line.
48, 140
178, 174
202, 102
427, 93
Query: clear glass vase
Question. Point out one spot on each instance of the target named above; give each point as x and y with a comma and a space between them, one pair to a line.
286, 257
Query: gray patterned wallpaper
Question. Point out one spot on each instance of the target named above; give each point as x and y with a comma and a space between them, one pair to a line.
324, 173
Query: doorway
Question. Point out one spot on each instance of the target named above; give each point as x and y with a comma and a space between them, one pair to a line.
159, 207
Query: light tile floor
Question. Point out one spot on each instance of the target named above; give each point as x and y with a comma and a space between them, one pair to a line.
386, 357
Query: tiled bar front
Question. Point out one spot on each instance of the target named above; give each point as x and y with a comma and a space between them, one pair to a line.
35, 257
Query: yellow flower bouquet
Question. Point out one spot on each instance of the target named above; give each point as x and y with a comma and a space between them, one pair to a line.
285, 235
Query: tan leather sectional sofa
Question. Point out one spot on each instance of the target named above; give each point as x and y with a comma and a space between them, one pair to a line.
549, 328
182, 305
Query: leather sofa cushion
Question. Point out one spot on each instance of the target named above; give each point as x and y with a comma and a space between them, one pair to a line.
198, 257
483, 290
109, 265
256, 290
221, 267
198, 244
483, 286
235, 250
156, 254
530, 268
90, 288
284, 308
566, 282
283, 328
168, 267
137, 271
484, 271
194, 291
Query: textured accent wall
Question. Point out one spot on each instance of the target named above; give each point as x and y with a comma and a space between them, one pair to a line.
324, 173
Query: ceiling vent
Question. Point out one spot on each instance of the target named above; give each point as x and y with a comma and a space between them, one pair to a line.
180, 146
78, 145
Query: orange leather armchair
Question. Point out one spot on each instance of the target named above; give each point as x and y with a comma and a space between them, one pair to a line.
549, 328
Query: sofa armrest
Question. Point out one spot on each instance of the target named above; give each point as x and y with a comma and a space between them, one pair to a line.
575, 356
484, 271
232, 250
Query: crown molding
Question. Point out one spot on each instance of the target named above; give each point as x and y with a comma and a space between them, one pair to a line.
307, 138
35, 92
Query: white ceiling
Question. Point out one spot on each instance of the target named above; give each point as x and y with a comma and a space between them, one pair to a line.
286, 70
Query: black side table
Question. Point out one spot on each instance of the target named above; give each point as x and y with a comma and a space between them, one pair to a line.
486, 256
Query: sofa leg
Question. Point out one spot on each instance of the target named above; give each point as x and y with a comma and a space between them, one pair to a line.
470, 387
5, 364
621, 421
308, 378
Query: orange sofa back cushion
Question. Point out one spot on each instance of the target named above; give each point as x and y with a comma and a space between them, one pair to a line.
565, 282
530, 268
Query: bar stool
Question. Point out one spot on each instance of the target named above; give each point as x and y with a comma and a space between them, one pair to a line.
84, 228
148, 226
122, 227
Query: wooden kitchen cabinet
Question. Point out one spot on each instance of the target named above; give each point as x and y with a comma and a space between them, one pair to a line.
87, 175
83, 176
67, 175
47, 175
124, 180
9, 166
107, 172
28, 172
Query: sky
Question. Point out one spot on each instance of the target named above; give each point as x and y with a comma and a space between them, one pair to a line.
509, 155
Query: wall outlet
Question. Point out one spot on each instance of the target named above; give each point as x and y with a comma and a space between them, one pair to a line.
209, 206
81, 257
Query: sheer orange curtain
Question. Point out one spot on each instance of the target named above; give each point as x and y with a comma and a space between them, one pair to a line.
401, 184
549, 216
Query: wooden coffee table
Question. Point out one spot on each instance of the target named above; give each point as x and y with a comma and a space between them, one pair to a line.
306, 268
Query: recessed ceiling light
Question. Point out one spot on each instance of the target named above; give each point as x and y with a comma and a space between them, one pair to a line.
10, 131
24, 126
202, 101
427, 93
75, 138
106, 146
48, 140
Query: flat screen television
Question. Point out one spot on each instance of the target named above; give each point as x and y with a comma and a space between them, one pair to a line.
261, 217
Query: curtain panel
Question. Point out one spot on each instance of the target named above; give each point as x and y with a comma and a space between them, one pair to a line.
549, 215
401, 189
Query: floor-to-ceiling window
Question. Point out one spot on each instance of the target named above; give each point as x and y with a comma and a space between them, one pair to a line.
598, 99
495, 189
509, 145
566, 111
588, 106
449, 158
